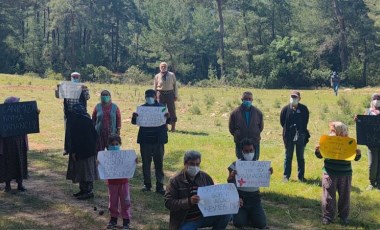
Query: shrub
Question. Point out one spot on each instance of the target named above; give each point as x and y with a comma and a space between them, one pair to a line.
195, 110
135, 75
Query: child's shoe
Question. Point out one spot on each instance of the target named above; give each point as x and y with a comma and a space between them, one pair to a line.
125, 223
112, 224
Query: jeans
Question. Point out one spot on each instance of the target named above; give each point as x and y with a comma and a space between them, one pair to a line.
216, 222
289, 149
251, 214
374, 166
336, 87
239, 154
155, 151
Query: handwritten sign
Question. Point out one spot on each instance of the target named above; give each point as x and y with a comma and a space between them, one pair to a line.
218, 199
368, 130
338, 148
68, 89
151, 116
252, 173
116, 164
18, 118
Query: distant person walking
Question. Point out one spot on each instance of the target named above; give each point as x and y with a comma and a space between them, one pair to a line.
68, 108
335, 81
165, 85
246, 121
294, 118
107, 119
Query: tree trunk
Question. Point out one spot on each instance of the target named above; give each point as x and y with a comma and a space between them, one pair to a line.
117, 43
221, 38
343, 53
365, 63
273, 22
249, 45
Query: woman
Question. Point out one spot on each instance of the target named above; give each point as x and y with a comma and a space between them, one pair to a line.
107, 120
82, 160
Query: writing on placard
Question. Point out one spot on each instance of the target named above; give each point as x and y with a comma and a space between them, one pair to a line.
338, 148
68, 89
116, 164
151, 116
252, 173
218, 199
19, 118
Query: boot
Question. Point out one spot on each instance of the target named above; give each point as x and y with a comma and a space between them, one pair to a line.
160, 189
20, 187
7, 186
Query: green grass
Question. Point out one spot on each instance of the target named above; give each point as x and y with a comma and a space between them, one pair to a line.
202, 125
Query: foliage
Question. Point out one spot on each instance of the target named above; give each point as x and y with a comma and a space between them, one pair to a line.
136, 76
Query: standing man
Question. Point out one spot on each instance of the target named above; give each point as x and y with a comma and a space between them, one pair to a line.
246, 121
152, 141
335, 80
294, 119
167, 93
182, 199
68, 104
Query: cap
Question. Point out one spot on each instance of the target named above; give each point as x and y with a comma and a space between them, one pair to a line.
75, 74
375, 96
295, 93
150, 93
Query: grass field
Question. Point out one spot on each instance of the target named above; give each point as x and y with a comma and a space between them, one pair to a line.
202, 125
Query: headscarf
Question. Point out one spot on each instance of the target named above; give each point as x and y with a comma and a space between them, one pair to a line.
79, 109
12, 99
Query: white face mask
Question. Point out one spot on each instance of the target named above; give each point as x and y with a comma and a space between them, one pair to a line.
376, 103
193, 170
294, 101
249, 156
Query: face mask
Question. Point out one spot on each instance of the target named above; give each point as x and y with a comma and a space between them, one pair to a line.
294, 101
105, 99
247, 104
75, 80
149, 100
248, 156
113, 147
376, 103
193, 170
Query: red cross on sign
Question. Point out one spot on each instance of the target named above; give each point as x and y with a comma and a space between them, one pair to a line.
241, 182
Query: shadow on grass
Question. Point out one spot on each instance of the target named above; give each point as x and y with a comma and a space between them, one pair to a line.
191, 133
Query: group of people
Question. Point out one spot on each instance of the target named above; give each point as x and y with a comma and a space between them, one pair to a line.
86, 135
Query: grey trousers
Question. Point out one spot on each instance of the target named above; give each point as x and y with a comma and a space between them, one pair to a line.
155, 152
374, 166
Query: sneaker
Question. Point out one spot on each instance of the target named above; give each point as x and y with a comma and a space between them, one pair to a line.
146, 189
86, 196
325, 221
21, 188
125, 223
80, 193
285, 179
370, 187
112, 224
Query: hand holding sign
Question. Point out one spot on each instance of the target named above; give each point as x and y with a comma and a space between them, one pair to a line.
253, 173
337, 147
69, 89
116, 164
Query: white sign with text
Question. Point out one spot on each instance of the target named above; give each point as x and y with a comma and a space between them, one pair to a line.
151, 116
68, 89
221, 199
116, 164
252, 173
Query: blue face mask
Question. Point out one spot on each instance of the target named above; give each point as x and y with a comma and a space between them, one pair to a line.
105, 99
247, 104
149, 100
113, 147
75, 80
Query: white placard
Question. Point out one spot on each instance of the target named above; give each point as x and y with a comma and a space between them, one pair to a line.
218, 199
252, 173
151, 116
68, 89
116, 164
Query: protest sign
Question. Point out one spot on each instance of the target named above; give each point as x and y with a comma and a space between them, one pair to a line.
338, 148
218, 199
151, 116
68, 89
19, 118
116, 164
252, 173
368, 130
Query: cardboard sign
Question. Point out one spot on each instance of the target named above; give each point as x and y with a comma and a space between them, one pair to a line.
338, 148
68, 89
116, 164
151, 116
368, 130
19, 118
218, 200
252, 173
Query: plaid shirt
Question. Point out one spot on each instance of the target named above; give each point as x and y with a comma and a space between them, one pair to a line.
69, 103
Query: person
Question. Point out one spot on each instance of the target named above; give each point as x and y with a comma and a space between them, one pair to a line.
335, 80
251, 213
374, 151
152, 142
181, 197
246, 121
107, 119
118, 191
337, 176
68, 104
294, 118
13, 157
82, 158
165, 84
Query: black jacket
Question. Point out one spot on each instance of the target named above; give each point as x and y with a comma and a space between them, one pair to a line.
294, 120
152, 135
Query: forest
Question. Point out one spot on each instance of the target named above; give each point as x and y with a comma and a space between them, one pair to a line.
251, 43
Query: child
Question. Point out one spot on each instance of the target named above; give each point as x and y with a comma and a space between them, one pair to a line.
337, 176
118, 189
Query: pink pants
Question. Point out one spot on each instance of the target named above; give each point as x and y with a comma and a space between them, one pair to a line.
120, 192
